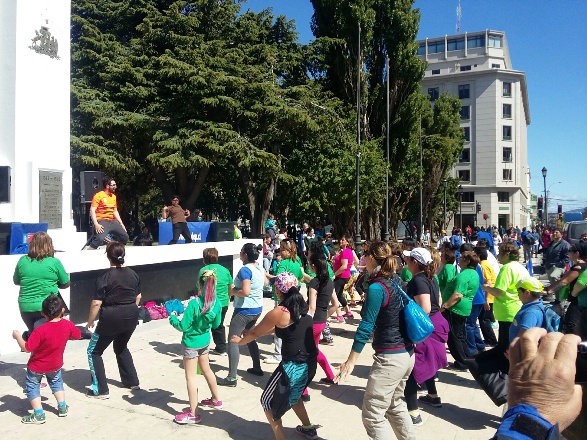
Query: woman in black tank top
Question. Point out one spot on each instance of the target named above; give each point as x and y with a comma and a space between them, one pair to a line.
291, 322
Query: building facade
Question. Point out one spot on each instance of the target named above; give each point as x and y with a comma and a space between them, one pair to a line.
493, 167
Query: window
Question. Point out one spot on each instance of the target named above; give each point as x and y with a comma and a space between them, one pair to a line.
455, 44
468, 196
467, 134
436, 72
507, 174
421, 49
503, 196
436, 46
507, 132
494, 41
463, 91
476, 41
507, 89
496, 66
465, 155
465, 112
465, 68
465, 175
507, 154
507, 111
434, 93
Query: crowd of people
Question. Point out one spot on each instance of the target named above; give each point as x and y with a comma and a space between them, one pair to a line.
465, 290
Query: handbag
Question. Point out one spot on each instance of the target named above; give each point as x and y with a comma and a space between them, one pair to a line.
418, 323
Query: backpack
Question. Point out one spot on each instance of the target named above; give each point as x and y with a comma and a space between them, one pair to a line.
552, 319
529, 239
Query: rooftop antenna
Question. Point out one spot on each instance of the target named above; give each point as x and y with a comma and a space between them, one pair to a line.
459, 15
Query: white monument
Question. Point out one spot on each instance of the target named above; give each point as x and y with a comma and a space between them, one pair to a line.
35, 115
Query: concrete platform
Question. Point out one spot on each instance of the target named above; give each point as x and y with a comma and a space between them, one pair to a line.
467, 413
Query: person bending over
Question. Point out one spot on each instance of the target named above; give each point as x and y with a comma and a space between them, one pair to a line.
105, 216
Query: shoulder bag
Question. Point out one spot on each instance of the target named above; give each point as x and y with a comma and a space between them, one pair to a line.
418, 323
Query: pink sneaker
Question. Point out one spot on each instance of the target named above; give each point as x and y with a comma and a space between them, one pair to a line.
348, 315
211, 404
187, 418
339, 319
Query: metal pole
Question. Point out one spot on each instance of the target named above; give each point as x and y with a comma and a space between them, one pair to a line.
461, 207
545, 203
444, 209
420, 228
357, 207
386, 232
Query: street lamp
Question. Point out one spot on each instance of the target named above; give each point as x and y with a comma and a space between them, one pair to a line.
387, 104
358, 205
461, 206
444, 182
544, 171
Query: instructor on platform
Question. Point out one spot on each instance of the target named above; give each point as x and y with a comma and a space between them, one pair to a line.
105, 216
179, 218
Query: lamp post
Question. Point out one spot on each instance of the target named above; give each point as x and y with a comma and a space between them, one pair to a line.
444, 182
461, 206
386, 232
544, 171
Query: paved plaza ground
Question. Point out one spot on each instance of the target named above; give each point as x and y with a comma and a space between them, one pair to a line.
467, 413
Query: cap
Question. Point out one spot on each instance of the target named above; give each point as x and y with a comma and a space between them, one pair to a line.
443, 232
421, 255
285, 281
531, 284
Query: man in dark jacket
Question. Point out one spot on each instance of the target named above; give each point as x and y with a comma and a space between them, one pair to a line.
556, 257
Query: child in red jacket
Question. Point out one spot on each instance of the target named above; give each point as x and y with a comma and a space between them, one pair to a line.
47, 344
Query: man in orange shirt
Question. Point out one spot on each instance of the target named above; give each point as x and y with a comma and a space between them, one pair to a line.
105, 216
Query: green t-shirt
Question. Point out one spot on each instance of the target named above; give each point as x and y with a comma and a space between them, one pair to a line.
506, 306
294, 267
223, 281
37, 280
466, 283
582, 297
313, 275
406, 275
447, 274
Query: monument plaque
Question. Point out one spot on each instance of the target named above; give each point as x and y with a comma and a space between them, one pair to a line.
50, 198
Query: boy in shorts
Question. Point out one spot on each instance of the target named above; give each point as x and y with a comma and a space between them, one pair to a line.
47, 344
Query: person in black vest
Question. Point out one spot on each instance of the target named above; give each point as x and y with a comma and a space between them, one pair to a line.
383, 403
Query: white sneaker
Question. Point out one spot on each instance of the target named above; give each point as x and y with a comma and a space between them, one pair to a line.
271, 360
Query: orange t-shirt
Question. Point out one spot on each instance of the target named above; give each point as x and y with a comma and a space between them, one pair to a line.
105, 205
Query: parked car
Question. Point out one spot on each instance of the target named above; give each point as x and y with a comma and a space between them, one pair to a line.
572, 231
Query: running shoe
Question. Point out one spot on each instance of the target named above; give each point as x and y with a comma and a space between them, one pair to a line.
91, 394
326, 341
339, 319
34, 419
211, 404
187, 418
228, 382
307, 432
432, 401
417, 420
348, 315
271, 360
326, 380
62, 411
218, 353
305, 397
255, 371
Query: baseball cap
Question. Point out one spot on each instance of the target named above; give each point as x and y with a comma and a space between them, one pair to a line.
421, 255
531, 284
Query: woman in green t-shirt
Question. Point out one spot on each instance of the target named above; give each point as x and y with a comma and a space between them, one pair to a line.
39, 274
456, 307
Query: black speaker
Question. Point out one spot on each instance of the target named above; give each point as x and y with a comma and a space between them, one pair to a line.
90, 184
5, 238
220, 231
5, 184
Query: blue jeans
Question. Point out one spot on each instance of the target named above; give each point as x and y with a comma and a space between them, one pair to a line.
474, 339
32, 383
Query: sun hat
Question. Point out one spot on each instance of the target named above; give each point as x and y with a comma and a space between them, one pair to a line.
285, 281
421, 255
531, 284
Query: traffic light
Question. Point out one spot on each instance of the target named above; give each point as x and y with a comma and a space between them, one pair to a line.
560, 209
540, 203
540, 214
478, 207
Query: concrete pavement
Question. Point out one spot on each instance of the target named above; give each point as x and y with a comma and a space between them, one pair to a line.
467, 413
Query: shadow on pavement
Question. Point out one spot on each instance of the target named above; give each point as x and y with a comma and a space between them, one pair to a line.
464, 418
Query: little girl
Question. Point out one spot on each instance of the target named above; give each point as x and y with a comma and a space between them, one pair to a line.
202, 313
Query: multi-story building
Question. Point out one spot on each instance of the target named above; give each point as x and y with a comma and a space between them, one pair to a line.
493, 167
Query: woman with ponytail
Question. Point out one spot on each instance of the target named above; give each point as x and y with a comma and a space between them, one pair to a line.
292, 323
202, 314
118, 293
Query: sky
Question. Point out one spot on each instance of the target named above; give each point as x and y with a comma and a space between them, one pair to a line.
548, 41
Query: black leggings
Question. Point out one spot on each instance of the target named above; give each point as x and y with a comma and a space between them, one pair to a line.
411, 391
339, 284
